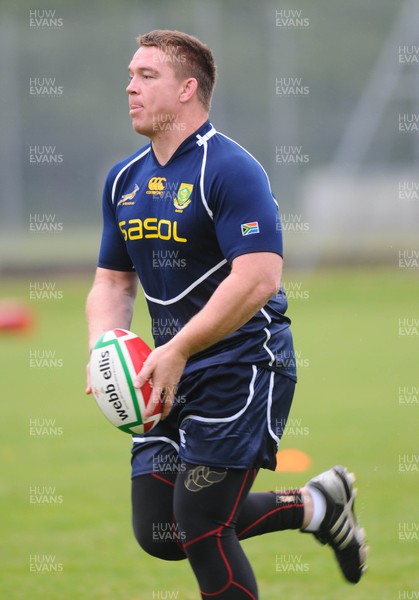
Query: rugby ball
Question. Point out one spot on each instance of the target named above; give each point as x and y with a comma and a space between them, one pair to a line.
115, 360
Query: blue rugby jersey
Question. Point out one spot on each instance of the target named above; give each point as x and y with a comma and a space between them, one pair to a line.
181, 225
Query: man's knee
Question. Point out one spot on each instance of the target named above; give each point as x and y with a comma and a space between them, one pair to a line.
161, 540
152, 514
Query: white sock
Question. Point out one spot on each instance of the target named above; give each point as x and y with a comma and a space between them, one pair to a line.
319, 509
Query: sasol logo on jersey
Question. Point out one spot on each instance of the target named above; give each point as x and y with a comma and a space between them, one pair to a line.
156, 186
126, 198
138, 229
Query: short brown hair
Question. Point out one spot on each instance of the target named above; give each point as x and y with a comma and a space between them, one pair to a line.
190, 58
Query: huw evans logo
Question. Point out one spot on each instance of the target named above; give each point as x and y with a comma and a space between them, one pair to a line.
168, 532
291, 155
408, 463
408, 190
45, 563
44, 223
408, 259
291, 563
45, 87
168, 259
45, 155
44, 359
45, 19
291, 86
44, 427
168, 123
409, 532
162, 327
291, 222
409, 395
408, 326
409, 55
44, 290
44, 495
288, 19
409, 122
294, 291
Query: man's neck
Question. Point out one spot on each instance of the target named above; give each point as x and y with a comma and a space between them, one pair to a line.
165, 143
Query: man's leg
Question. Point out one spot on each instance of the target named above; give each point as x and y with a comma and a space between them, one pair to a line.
153, 521
155, 464
207, 503
261, 512
323, 507
333, 520
155, 527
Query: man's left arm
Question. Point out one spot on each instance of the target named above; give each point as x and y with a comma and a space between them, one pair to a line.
253, 279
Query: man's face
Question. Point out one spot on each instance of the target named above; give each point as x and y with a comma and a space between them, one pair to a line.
153, 91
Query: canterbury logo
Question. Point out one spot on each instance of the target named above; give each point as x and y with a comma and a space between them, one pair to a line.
156, 184
202, 477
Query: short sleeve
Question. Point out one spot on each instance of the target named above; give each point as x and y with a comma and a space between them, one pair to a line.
113, 253
245, 212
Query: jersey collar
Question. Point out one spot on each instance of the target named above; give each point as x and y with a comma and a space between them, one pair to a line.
199, 137
202, 139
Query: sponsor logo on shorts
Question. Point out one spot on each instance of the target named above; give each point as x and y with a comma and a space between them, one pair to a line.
201, 477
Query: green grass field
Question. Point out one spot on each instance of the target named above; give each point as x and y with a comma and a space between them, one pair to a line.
354, 366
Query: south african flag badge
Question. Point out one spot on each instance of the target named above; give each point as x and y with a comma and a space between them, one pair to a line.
250, 228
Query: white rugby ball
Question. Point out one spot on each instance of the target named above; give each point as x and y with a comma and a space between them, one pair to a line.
116, 359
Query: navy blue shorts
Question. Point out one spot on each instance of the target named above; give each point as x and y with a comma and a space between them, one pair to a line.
229, 416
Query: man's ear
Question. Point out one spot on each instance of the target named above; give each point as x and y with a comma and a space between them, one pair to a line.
189, 88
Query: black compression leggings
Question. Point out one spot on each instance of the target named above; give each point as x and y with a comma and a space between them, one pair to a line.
201, 513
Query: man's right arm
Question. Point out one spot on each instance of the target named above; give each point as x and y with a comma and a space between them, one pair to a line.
110, 304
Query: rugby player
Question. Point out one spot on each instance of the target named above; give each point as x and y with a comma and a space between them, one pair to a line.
192, 218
